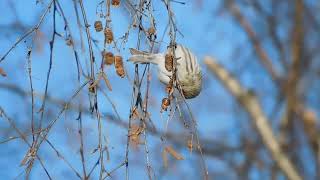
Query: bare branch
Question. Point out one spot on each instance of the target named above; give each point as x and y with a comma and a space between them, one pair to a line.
252, 106
262, 54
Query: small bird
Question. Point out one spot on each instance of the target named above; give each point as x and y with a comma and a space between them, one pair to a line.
189, 73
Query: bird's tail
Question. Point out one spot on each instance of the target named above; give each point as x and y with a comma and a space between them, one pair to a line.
144, 57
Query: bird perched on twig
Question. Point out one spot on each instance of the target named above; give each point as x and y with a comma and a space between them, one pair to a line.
188, 71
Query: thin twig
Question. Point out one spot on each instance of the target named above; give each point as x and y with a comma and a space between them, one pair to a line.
23, 137
263, 56
35, 28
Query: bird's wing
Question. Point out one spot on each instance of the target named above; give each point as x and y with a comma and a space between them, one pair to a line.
145, 57
137, 52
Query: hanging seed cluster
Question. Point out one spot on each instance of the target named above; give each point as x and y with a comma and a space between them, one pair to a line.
115, 3
169, 62
165, 104
166, 101
98, 26
169, 88
108, 58
118, 64
108, 35
152, 33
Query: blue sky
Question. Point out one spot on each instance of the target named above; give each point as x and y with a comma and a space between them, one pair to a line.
203, 33
206, 30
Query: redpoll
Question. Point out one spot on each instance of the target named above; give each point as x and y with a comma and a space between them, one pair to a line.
188, 70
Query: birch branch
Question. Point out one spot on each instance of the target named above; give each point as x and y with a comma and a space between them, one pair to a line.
250, 103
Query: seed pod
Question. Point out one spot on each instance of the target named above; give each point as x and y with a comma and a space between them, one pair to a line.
151, 31
165, 103
69, 41
118, 64
108, 58
169, 62
115, 3
108, 35
169, 87
98, 26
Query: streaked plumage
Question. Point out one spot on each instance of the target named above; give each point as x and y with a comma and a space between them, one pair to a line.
188, 70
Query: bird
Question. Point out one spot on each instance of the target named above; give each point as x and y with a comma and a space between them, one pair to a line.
188, 70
